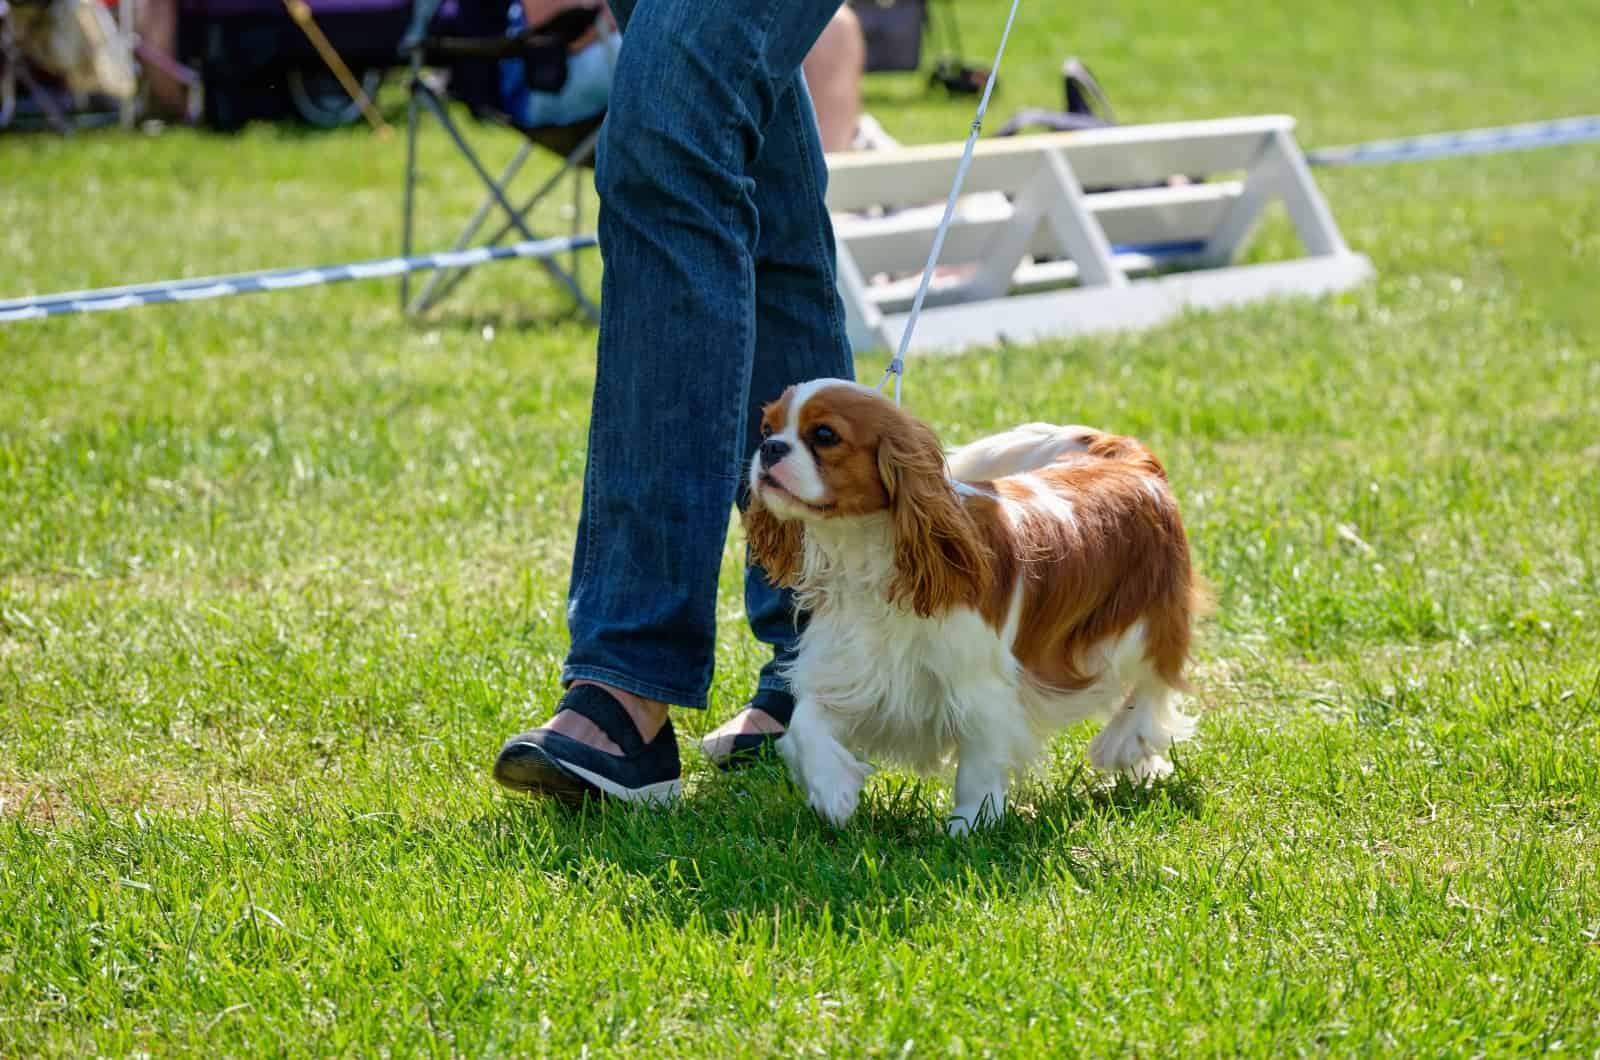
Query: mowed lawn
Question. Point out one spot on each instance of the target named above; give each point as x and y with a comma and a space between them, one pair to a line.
279, 573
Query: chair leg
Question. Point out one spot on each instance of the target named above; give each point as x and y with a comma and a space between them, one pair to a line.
513, 216
411, 177
572, 164
442, 283
427, 298
577, 219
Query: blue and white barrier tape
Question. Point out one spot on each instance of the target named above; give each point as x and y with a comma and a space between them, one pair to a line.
1470, 142
37, 307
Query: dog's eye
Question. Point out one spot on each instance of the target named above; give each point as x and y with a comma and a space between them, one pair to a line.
824, 436
766, 430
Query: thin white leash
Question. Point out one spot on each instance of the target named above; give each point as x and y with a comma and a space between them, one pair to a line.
897, 366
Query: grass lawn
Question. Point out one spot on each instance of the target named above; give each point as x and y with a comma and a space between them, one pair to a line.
278, 574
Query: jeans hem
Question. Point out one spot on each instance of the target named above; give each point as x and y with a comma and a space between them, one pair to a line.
617, 679
774, 684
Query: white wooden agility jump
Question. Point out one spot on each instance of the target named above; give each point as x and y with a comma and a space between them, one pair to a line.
1046, 257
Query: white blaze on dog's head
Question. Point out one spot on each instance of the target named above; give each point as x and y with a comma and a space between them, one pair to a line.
834, 449
786, 471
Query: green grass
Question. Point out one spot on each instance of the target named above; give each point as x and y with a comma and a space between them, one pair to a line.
277, 574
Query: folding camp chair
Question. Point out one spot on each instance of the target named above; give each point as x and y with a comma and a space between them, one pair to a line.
469, 38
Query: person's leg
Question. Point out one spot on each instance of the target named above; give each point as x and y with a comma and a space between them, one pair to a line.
158, 29
833, 72
800, 335
698, 83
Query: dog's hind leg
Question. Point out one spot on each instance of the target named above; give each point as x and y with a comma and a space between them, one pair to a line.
981, 781
1140, 734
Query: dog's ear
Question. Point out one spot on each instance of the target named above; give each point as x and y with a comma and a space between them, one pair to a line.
774, 543
940, 560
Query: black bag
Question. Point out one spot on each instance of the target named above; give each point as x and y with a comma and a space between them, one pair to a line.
893, 31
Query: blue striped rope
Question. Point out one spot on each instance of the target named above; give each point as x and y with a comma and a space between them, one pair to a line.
1468, 142
37, 307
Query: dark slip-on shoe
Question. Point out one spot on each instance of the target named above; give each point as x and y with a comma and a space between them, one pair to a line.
748, 748
547, 763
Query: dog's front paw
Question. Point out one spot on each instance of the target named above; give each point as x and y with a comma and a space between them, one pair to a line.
834, 782
1151, 767
831, 776
835, 805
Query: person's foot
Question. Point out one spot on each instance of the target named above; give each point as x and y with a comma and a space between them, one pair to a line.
602, 741
871, 136
750, 734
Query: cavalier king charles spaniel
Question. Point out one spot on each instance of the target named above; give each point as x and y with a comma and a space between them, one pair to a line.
967, 607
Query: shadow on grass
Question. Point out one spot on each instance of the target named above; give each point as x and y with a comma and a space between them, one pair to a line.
747, 845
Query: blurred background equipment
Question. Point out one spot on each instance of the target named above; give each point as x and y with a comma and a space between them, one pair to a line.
257, 64
894, 31
73, 60
300, 11
1086, 106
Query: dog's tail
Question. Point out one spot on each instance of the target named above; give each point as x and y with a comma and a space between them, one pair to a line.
1036, 445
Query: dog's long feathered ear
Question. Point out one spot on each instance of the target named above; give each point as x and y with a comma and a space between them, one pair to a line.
940, 560
774, 543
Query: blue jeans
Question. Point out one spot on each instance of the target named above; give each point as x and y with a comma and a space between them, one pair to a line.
719, 291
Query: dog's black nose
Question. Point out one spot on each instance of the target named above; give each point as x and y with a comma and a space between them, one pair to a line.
772, 451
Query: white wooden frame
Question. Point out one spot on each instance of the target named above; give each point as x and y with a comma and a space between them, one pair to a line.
1036, 254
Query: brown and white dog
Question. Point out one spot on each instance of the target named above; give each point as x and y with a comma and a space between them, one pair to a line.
968, 606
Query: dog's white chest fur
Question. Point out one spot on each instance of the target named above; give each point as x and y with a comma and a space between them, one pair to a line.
889, 683
893, 683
